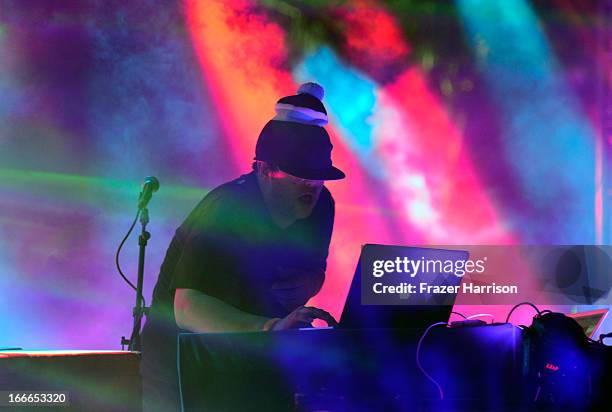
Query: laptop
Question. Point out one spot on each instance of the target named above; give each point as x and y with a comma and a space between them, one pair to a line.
423, 313
590, 321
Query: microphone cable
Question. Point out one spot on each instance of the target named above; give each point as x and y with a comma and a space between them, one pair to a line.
144, 304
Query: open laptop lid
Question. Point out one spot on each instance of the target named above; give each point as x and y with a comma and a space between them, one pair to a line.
590, 321
355, 315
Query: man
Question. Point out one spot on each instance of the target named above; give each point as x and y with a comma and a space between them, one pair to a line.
253, 251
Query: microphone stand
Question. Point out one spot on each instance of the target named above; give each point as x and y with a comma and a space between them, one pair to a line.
139, 310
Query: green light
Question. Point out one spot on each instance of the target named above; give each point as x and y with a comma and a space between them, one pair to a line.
428, 60
447, 87
87, 190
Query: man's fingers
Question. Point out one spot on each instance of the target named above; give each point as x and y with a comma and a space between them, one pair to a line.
303, 317
321, 314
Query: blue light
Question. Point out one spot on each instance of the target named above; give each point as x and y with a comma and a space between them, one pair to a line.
350, 98
546, 137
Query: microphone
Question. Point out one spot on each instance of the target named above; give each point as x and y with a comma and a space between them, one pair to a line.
151, 185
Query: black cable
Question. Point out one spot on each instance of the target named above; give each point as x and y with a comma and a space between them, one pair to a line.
546, 311
418, 357
460, 314
604, 336
144, 304
520, 304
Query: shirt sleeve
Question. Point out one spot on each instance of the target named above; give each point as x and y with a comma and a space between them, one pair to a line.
206, 257
200, 266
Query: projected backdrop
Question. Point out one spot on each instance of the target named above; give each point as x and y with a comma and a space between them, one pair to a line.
465, 122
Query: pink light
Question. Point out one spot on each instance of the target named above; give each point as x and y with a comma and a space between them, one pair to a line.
599, 177
241, 55
373, 38
430, 166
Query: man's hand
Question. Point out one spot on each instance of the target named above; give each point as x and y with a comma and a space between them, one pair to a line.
302, 317
295, 287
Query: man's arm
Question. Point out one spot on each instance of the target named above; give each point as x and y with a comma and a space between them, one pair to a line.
199, 312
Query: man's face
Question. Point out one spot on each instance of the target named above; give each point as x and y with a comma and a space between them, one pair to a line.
292, 196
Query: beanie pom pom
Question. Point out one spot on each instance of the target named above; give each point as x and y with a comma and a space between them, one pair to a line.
313, 89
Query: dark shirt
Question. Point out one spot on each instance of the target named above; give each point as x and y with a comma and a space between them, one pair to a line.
230, 248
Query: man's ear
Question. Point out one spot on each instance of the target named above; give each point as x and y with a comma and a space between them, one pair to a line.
262, 170
266, 170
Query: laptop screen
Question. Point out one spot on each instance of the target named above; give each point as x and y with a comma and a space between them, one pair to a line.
590, 321
406, 315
